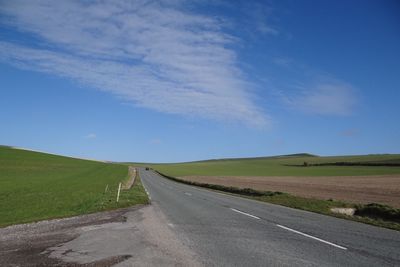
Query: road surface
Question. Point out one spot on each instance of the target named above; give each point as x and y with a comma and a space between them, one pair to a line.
224, 230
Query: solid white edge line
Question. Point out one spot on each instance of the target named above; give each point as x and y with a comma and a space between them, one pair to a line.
310, 236
244, 213
147, 192
188, 194
148, 195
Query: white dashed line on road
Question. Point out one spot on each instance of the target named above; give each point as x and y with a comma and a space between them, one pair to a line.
244, 213
310, 236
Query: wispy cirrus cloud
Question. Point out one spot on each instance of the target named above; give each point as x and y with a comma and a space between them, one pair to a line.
91, 136
314, 92
324, 98
155, 54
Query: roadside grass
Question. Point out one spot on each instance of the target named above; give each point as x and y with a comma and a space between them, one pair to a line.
135, 195
280, 166
36, 186
378, 216
374, 214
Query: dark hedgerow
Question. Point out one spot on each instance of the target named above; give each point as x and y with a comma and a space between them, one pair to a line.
378, 211
343, 163
230, 189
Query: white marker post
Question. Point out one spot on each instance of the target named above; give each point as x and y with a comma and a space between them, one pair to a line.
119, 189
105, 191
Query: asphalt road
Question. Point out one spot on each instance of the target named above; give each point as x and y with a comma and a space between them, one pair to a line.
224, 230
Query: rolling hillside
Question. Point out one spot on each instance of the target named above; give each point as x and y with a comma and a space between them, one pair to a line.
36, 186
286, 165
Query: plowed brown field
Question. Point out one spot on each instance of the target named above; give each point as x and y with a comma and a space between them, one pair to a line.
383, 189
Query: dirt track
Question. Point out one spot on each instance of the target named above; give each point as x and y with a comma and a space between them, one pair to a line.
384, 189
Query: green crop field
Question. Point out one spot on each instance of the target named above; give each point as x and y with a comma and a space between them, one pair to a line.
36, 186
278, 166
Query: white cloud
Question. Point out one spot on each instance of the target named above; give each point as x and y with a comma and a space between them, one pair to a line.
325, 98
155, 54
90, 136
256, 17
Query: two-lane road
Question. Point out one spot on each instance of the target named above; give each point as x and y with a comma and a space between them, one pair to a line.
224, 230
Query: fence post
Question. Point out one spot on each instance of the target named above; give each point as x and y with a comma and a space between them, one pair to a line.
119, 189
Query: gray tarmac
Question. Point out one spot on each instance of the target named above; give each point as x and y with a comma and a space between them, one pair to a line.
225, 230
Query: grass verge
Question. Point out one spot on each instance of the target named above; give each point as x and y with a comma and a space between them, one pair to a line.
36, 186
133, 196
374, 214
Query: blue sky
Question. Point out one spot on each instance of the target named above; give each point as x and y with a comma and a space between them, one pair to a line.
168, 81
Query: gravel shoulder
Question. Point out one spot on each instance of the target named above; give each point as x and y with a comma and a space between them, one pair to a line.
136, 236
383, 189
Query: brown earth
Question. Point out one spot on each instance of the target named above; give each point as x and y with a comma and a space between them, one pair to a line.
383, 189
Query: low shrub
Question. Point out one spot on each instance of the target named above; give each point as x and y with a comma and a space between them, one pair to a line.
378, 211
230, 189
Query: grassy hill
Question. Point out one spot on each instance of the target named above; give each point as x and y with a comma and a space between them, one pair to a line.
286, 165
36, 186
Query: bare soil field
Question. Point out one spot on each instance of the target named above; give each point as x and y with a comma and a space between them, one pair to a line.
383, 189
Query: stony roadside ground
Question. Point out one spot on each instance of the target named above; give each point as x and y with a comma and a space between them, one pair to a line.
136, 236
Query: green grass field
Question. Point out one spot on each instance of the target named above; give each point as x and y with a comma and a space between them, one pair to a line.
275, 166
36, 186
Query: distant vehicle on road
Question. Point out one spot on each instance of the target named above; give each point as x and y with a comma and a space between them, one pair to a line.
147, 168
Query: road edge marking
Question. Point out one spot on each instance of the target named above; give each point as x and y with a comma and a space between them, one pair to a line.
310, 236
244, 213
147, 192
